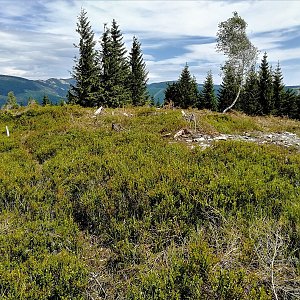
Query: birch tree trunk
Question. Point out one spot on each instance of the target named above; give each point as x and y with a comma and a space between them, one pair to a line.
234, 102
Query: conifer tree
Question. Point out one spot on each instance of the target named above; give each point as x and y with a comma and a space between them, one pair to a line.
11, 102
183, 93
171, 93
278, 90
106, 76
229, 88
188, 89
289, 105
208, 97
138, 75
46, 100
250, 95
85, 71
298, 106
265, 84
119, 69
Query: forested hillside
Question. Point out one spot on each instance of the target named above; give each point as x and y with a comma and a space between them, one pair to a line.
25, 89
128, 205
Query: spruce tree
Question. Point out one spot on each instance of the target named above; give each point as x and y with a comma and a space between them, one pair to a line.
278, 91
171, 93
209, 99
298, 106
183, 93
46, 101
250, 95
188, 89
289, 105
85, 71
11, 102
229, 88
119, 69
265, 84
138, 75
106, 76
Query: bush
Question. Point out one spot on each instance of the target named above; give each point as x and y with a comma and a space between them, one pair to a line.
154, 218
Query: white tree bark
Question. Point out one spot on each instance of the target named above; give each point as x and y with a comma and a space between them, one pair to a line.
234, 102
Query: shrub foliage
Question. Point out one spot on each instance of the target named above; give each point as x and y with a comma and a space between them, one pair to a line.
88, 212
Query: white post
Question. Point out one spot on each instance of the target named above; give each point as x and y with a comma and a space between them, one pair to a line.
7, 131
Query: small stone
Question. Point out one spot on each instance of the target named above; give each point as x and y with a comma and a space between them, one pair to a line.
220, 138
199, 139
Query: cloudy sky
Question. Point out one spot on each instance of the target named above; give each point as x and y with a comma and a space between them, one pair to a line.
37, 36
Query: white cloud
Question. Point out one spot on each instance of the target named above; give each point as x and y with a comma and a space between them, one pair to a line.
42, 46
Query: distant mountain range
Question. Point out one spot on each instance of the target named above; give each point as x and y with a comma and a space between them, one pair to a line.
57, 89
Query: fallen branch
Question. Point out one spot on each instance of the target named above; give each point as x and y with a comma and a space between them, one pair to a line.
181, 133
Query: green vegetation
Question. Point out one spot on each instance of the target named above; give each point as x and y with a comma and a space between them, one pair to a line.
233, 41
11, 102
183, 93
106, 77
228, 89
88, 212
55, 89
85, 71
265, 87
138, 75
116, 206
208, 98
254, 93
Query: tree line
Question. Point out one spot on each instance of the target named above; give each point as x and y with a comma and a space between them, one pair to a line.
263, 92
107, 76
255, 92
11, 101
111, 77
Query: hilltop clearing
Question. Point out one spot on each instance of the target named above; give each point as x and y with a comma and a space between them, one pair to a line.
147, 203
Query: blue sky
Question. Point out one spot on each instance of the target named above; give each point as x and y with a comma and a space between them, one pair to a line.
37, 36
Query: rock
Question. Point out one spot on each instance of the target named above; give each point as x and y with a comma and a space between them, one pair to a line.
221, 138
98, 111
200, 139
285, 139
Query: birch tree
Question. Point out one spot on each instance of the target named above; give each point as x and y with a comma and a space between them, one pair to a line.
241, 54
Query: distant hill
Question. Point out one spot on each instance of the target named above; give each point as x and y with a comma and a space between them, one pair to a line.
157, 90
57, 89
296, 88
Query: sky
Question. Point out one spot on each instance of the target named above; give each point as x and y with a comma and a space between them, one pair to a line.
37, 37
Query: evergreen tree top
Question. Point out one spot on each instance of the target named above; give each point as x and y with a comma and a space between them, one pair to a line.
84, 29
